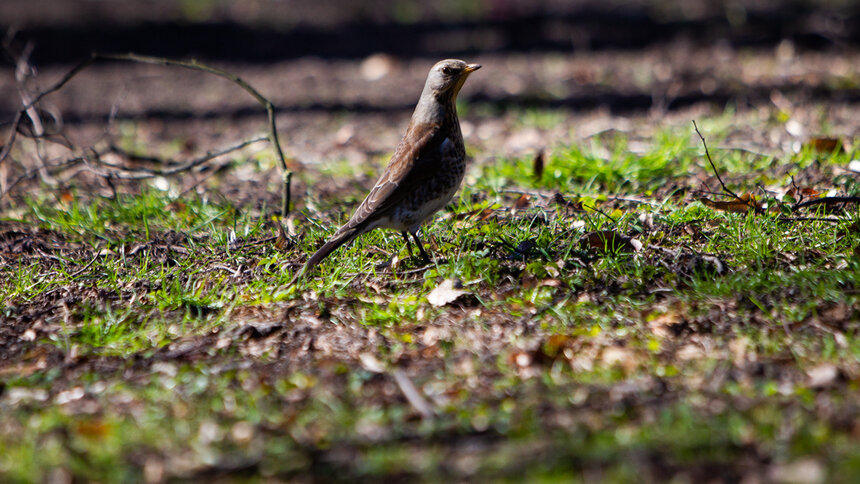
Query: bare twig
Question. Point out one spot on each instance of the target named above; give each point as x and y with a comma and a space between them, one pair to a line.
63, 165
84, 268
217, 169
750, 202
818, 201
10, 138
714, 167
152, 172
601, 212
192, 64
613, 198
812, 219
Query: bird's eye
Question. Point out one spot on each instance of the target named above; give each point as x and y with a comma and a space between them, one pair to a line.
446, 70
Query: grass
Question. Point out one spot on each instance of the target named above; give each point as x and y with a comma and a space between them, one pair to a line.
162, 343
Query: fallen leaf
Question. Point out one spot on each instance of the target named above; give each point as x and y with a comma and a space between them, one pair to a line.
486, 213
446, 292
825, 144
608, 241
742, 204
802, 192
176, 206
522, 202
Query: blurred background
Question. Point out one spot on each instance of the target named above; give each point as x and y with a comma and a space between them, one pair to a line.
345, 75
272, 30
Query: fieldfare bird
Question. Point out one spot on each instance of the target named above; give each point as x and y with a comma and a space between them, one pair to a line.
425, 170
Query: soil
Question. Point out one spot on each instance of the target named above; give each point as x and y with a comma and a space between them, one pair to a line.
344, 91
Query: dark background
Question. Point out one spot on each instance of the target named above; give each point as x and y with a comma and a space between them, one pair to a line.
269, 30
330, 63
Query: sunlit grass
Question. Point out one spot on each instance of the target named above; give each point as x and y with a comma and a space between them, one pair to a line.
162, 271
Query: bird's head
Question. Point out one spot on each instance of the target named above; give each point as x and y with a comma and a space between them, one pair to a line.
447, 77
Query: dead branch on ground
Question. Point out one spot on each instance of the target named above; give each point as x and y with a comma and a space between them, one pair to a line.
749, 201
30, 105
746, 201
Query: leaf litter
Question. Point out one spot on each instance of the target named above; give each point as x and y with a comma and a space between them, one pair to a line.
585, 341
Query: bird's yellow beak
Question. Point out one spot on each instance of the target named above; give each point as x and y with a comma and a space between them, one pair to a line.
472, 68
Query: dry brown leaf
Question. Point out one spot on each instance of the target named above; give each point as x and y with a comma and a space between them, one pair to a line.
176, 206
609, 241
486, 213
742, 204
481, 214
825, 144
522, 202
446, 292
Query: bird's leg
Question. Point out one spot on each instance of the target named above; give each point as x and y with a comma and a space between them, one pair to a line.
408, 242
421, 248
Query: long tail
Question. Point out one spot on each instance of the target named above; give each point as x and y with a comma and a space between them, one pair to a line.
339, 238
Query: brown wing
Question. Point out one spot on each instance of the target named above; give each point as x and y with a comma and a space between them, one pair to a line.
415, 155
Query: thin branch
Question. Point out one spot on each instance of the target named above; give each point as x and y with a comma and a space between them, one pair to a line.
13, 131
714, 167
152, 172
812, 219
268, 105
84, 268
192, 64
818, 201
65, 164
611, 198
62, 81
601, 212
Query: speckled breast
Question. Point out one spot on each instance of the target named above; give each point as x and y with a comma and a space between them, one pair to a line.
437, 191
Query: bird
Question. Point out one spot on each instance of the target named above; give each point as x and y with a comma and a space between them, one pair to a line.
424, 172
